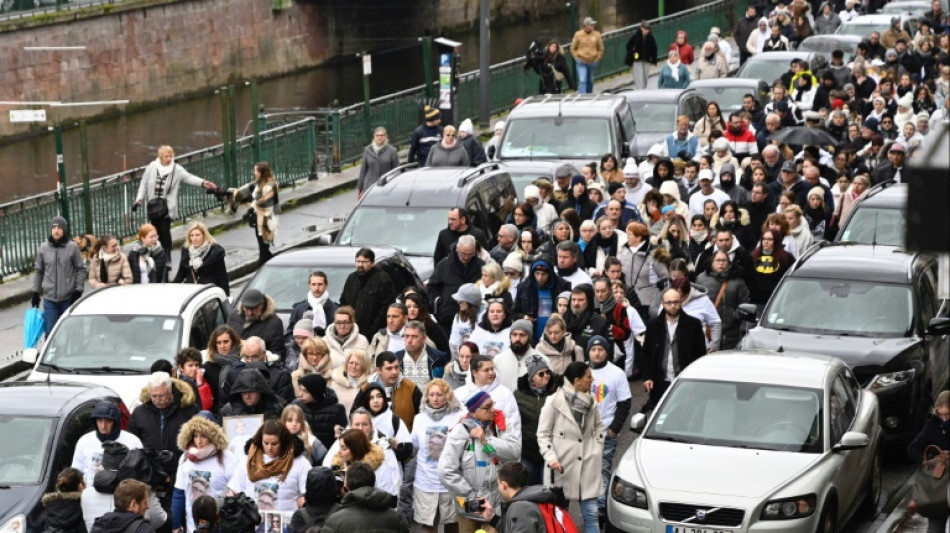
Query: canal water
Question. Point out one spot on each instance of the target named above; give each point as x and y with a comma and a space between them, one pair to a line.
29, 166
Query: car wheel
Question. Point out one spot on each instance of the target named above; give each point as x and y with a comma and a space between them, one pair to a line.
874, 487
827, 522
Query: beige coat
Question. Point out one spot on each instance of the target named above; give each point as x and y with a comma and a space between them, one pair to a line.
578, 450
345, 392
116, 268
338, 350
587, 47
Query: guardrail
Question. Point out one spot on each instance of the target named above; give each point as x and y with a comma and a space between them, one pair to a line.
19, 9
24, 223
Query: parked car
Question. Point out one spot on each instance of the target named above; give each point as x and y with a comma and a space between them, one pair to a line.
523, 172
286, 277
826, 44
408, 207
864, 25
770, 66
876, 308
751, 441
913, 8
729, 92
655, 112
40, 424
112, 336
878, 218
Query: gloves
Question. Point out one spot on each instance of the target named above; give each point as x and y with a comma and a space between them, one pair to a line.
35, 300
135, 207
76, 295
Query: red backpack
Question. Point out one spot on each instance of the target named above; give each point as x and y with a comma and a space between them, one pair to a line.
556, 519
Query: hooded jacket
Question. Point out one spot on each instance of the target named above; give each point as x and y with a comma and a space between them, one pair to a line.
589, 323
59, 269
637, 273
448, 276
320, 500
345, 390
369, 294
121, 522
87, 458
252, 380
268, 326
367, 510
523, 514
220, 464
323, 415
281, 382
325, 369
158, 430
64, 512
530, 403
826, 25
685, 50
526, 303
565, 353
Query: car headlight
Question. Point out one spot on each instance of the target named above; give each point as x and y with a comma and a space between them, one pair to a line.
17, 524
628, 494
788, 508
892, 379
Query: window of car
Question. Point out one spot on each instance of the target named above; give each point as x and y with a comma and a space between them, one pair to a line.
288, 284
413, 230
927, 300
200, 332
558, 138
878, 225
654, 117
23, 458
627, 125
841, 411
75, 426
113, 343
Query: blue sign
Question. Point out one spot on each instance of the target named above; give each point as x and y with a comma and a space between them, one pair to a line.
445, 60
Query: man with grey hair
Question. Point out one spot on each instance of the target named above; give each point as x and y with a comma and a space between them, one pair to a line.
254, 354
709, 64
568, 257
771, 157
461, 266
507, 242
419, 361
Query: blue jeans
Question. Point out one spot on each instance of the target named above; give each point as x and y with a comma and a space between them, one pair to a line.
610, 446
51, 313
589, 512
585, 77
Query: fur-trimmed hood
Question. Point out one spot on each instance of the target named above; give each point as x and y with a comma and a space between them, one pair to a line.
374, 458
207, 428
51, 497
184, 394
744, 218
270, 309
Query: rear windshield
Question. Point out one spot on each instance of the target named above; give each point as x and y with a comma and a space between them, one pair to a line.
874, 225
545, 138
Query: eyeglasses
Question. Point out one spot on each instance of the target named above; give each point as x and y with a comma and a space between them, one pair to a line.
495, 300
544, 373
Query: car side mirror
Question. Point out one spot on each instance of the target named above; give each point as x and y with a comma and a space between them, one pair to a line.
325, 240
938, 326
30, 355
624, 151
747, 312
852, 440
638, 422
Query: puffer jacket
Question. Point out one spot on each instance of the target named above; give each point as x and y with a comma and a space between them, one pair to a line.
158, 430
367, 510
325, 369
578, 449
442, 156
345, 390
523, 514
530, 403
117, 269
64, 512
59, 270
252, 380
323, 415
268, 326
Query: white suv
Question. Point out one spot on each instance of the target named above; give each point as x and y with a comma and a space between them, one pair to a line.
113, 336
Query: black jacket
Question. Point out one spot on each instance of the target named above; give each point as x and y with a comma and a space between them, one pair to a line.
301, 307
323, 416
476, 154
64, 512
213, 374
589, 323
321, 500
159, 273
934, 433
886, 173
212, 269
529, 406
369, 294
252, 380
367, 510
526, 301
448, 276
640, 49
121, 522
268, 326
159, 430
584, 206
690, 341
445, 242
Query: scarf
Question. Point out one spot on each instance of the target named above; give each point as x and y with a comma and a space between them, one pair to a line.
195, 255
607, 307
674, 70
437, 414
377, 148
258, 470
581, 403
105, 258
116, 430
164, 170
316, 304
576, 322
196, 455
559, 346
488, 291
458, 372
152, 250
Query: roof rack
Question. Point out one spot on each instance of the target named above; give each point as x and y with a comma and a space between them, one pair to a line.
812, 250
394, 173
480, 170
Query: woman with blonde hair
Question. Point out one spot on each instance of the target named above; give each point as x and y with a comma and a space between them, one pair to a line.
202, 260
438, 413
493, 284
557, 345
347, 380
261, 194
798, 231
147, 259
314, 359
205, 468
295, 420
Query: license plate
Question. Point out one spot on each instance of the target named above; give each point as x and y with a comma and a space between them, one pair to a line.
687, 529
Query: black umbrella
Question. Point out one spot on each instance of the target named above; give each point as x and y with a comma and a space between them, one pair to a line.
803, 135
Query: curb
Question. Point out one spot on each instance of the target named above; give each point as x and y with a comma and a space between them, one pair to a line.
901, 511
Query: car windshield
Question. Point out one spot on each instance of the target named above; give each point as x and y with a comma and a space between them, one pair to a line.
654, 117
761, 69
841, 307
288, 285
742, 415
413, 230
23, 449
119, 342
728, 98
875, 225
862, 30
522, 180
901, 8
542, 138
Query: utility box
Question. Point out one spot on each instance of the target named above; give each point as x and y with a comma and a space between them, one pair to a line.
449, 63
928, 187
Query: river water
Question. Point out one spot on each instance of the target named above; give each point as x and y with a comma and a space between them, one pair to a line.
29, 166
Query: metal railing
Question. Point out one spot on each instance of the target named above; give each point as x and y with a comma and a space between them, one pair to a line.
21, 9
24, 223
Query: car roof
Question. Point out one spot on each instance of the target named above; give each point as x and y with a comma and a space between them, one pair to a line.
543, 166
858, 262
842, 38
890, 196
326, 256
147, 298
870, 19
655, 95
782, 56
725, 82
762, 366
39, 398
425, 186
548, 105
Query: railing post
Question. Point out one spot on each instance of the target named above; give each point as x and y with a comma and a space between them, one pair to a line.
484, 64
337, 140
427, 66
225, 139
256, 122
312, 148
572, 21
232, 132
86, 195
61, 170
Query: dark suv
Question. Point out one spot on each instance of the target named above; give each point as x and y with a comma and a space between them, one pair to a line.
408, 207
878, 218
875, 307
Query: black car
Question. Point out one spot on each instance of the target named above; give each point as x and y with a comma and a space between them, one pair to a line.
408, 207
878, 218
40, 424
285, 278
875, 307
729, 92
655, 112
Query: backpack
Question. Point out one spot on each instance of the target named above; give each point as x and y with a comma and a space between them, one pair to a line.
556, 519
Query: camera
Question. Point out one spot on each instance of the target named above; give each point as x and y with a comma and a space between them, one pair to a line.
476, 505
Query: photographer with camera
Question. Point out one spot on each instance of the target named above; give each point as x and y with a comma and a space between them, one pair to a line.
551, 65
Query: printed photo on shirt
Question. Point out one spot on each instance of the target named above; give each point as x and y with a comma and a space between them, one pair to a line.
266, 495
493, 348
200, 481
435, 442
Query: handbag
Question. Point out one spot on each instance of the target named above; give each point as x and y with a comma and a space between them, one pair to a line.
156, 208
930, 485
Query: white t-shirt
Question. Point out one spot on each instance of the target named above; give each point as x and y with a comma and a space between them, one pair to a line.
697, 200
208, 477
429, 436
610, 386
461, 331
491, 343
88, 455
577, 278
286, 491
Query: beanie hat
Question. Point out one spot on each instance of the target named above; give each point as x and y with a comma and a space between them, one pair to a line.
565, 294
500, 125
630, 170
906, 101
315, 384
578, 179
721, 144
469, 294
871, 123
535, 364
817, 191
837, 103
513, 262
477, 400
597, 340
58, 221
466, 126
614, 187
209, 416
304, 326
431, 112
532, 191
666, 209
523, 325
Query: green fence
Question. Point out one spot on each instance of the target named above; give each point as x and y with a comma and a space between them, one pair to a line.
24, 224
346, 128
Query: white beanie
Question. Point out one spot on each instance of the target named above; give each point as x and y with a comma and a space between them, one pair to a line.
467, 127
630, 170
532, 191
500, 125
906, 101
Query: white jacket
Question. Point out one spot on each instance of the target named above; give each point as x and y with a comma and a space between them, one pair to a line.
509, 367
502, 396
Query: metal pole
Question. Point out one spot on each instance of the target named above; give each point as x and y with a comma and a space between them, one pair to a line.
86, 195
232, 132
484, 64
572, 20
366, 109
661, 8
257, 123
427, 66
225, 139
61, 169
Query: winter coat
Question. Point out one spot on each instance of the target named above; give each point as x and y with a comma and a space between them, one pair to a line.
404, 401
374, 165
934, 433
323, 415
212, 269
587, 47
325, 369
158, 269
281, 382
637, 273
443, 156
158, 430
736, 293
173, 181
421, 140
546, 69
578, 449
666, 79
690, 340
252, 380
745, 27
705, 126
446, 240
523, 514
121, 522
530, 403
59, 270
476, 154
709, 69
568, 353
527, 301
467, 470
448, 276
369, 294
268, 326
303, 306
345, 391
827, 25
217, 365
64, 512
366, 510
116, 269
640, 48
589, 323
437, 360
321, 501
217, 467
263, 199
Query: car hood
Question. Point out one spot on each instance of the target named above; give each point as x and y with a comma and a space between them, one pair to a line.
18, 500
642, 142
732, 472
127, 386
855, 351
422, 265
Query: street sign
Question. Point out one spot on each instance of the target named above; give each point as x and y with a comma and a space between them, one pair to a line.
367, 65
27, 115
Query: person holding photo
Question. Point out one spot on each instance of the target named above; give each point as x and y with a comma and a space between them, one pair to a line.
205, 469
